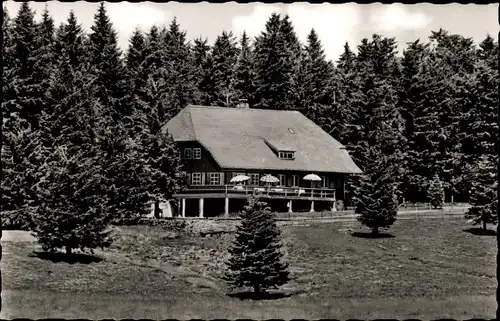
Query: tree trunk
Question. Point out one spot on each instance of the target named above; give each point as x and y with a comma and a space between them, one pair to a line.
256, 288
68, 250
484, 225
157, 209
375, 230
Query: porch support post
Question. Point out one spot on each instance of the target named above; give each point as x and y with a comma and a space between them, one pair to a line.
183, 207
226, 206
290, 209
312, 206
201, 207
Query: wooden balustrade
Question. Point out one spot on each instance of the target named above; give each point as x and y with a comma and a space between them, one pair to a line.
305, 192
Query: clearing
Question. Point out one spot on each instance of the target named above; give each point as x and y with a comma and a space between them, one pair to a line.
429, 269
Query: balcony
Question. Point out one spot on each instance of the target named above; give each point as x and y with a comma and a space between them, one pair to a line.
271, 192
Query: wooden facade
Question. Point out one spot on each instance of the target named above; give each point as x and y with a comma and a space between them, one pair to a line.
218, 143
206, 180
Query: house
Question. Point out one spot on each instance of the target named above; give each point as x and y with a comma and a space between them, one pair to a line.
219, 143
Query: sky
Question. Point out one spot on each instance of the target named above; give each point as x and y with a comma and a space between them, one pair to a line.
335, 24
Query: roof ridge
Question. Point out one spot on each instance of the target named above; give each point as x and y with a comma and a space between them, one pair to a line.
245, 109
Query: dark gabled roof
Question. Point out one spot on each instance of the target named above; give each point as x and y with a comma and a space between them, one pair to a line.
236, 139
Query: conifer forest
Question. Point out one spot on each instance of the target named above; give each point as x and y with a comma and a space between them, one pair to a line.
82, 118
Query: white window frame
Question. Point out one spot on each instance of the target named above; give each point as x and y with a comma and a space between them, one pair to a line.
325, 181
214, 179
188, 153
295, 180
286, 155
282, 178
196, 153
254, 179
196, 179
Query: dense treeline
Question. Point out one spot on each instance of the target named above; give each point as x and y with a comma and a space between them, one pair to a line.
80, 117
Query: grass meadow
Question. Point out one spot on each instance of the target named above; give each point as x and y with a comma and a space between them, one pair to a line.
425, 269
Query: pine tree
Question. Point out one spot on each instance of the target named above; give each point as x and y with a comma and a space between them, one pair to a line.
410, 91
315, 87
275, 66
375, 197
71, 192
255, 253
483, 197
244, 86
379, 147
22, 103
71, 40
435, 194
202, 64
162, 158
21, 99
223, 61
124, 168
182, 80
136, 51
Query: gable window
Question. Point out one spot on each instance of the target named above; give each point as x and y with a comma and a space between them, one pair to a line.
196, 153
214, 179
286, 155
188, 153
196, 179
254, 179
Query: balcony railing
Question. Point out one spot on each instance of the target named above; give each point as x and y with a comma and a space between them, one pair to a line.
265, 190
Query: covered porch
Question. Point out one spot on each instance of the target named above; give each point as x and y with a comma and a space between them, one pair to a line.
285, 195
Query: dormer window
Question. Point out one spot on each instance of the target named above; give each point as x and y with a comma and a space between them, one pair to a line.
286, 155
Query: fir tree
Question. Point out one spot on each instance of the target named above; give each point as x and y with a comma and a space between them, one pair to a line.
430, 151
244, 86
162, 158
124, 168
22, 102
223, 61
435, 194
410, 95
71, 40
255, 253
483, 198
202, 63
375, 197
316, 84
136, 51
22, 98
182, 81
347, 59
275, 66
71, 192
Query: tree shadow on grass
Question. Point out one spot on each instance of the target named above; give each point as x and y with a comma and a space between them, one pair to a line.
248, 295
57, 257
369, 235
480, 231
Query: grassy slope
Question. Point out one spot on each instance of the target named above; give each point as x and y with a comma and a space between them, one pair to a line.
430, 269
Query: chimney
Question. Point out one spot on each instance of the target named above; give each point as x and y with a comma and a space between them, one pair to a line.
242, 103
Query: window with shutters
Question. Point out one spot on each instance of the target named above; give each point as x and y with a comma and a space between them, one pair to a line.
196, 179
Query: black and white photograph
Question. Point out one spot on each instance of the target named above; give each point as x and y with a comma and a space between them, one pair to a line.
170, 160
